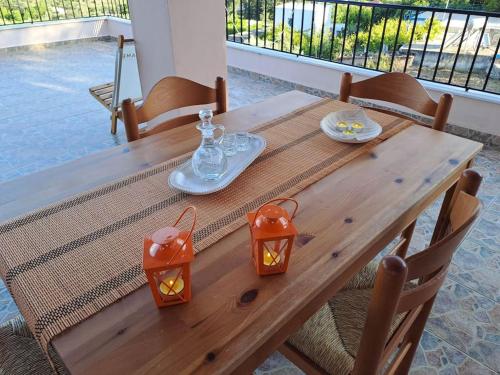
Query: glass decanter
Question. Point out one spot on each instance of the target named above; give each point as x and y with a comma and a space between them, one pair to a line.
209, 161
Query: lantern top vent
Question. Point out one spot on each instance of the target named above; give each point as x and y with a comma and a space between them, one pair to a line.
271, 220
165, 236
169, 246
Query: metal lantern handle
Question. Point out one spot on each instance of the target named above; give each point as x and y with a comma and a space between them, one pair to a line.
277, 200
192, 208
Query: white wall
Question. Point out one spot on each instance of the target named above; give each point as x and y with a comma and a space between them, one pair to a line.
119, 26
294, 12
57, 31
472, 110
179, 37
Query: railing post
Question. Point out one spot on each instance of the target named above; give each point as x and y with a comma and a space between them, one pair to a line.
442, 47
312, 29
322, 33
333, 31
425, 45
346, 26
396, 40
369, 37
459, 48
283, 25
293, 24
411, 41
493, 59
301, 26
257, 12
480, 40
382, 38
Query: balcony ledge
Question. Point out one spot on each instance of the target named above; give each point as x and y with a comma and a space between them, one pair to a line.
457, 91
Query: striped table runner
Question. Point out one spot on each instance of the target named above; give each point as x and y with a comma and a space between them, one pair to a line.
68, 261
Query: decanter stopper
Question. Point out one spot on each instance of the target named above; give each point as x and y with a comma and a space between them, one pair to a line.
206, 116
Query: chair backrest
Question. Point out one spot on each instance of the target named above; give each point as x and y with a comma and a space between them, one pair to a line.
171, 93
406, 289
402, 89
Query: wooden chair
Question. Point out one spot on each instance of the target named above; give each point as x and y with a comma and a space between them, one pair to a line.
21, 353
402, 89
405, 90
391, 303
168, 94
108, 94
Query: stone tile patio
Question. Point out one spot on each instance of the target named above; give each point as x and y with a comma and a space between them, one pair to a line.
47, 117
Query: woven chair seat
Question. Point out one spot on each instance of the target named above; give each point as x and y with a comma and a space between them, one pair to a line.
20, 353
331, 337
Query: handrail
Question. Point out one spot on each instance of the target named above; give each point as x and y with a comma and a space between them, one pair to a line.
415, 8
420, 41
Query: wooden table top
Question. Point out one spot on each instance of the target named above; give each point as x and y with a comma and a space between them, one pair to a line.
236, 319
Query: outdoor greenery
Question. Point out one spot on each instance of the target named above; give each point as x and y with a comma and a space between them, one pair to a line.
369, 37
46, 10
384, 37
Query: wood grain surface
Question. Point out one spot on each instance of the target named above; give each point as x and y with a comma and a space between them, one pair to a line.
343, 221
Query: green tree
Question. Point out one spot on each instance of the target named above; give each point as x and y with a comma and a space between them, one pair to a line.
492, 5
391, 31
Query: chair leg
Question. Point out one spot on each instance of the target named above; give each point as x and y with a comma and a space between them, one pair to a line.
413, 336
114, 120
442, 221
407, 235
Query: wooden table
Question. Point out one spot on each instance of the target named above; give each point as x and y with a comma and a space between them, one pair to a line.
237, 319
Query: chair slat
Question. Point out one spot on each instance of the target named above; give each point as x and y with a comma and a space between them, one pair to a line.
173, 93
102, 86
411, 299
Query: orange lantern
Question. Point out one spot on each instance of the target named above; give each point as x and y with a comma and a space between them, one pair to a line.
168, 254
272, 233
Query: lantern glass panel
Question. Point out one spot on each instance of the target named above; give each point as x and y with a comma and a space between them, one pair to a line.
274, 254
171, 284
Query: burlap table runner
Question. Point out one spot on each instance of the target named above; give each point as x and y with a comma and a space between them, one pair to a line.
66, 262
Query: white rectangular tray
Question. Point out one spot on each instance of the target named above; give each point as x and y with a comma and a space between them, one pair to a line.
184, 179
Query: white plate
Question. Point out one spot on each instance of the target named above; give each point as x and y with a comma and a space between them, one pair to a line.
372, 129
184, 179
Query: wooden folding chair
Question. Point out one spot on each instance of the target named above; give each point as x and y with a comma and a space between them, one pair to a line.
168, 94
108, 94
401, 89
375, 324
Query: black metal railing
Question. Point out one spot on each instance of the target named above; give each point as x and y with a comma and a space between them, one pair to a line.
31, 11
455, 47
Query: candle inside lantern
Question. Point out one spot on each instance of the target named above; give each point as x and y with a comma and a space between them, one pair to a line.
170, 286
271, 258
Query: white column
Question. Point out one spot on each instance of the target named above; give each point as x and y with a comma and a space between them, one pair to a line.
179, 37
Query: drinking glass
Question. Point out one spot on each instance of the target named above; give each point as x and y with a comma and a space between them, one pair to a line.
242, 141
229, 144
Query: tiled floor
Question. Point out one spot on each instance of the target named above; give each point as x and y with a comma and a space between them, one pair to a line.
47, 117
